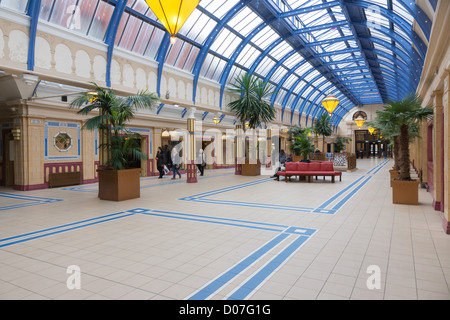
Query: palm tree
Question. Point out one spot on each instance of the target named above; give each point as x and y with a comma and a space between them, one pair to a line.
323, 127
405, 115
390, 131
301, 144
339, 143
252, 106
121, 146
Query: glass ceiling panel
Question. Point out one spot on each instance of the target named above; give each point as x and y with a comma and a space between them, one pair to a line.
142, 37
248, 55
401, 11
198, 27
218, 8
290, 81
281, 50
245, 21
293, 60
265, 37
226, 42
88, 17
265, 66
16, 5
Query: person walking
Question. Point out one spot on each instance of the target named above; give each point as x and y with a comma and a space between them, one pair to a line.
167, 157
160, 162
175, 163
201, 162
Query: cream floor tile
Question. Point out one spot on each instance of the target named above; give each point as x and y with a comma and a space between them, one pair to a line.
157, 257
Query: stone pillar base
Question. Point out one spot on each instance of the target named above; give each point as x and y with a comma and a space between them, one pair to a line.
191, 172
446, 226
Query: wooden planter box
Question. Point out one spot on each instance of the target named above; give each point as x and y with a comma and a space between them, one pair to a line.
296, 158
119, 185
405, 192
250, 169
393, 174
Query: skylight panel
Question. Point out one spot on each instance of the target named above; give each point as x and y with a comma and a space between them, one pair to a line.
245, 21
248, 55
281, 50
265, 37
218, 8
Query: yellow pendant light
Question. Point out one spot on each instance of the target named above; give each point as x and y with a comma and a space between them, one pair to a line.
360, 121
330, 103
216, 120
371, 130
172, 13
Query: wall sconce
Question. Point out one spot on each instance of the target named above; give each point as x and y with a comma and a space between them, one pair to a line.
16, 133
167, 95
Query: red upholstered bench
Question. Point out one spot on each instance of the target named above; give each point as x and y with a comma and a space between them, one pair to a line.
309, 170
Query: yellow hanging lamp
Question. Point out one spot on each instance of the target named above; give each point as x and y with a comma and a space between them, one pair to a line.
360, 121
172, 13
330, 103
371, 130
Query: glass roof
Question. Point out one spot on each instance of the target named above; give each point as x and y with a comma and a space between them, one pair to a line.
367, 52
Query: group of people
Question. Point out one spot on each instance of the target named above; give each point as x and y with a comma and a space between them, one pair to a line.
166, 160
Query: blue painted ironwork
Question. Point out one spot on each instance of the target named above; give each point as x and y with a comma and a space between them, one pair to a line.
160, 58
110, 36
312, 8
212, 36
329, 25
33, 10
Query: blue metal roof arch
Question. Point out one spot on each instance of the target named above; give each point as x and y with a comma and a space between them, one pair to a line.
111, 34
360, 46
33, 11
299, 95
234, 56
317, 88
211, 38
393, 17
283, 80
419, 15
309, 9
403, 66
393, 76
286, 98
404, 55
418, 43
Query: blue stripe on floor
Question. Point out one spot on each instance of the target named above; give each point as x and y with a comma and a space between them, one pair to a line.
265, 272
229, 275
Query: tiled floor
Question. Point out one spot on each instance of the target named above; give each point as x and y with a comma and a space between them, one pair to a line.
226, 237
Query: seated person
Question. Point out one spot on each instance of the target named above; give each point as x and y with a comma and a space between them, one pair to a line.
281, 168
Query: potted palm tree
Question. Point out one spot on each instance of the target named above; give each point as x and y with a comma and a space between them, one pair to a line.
119, 147
301, 145
340, 142
390, 131
323, 127
405, 115
251, 109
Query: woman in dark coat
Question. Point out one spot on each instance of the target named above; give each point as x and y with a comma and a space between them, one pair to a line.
160, 162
